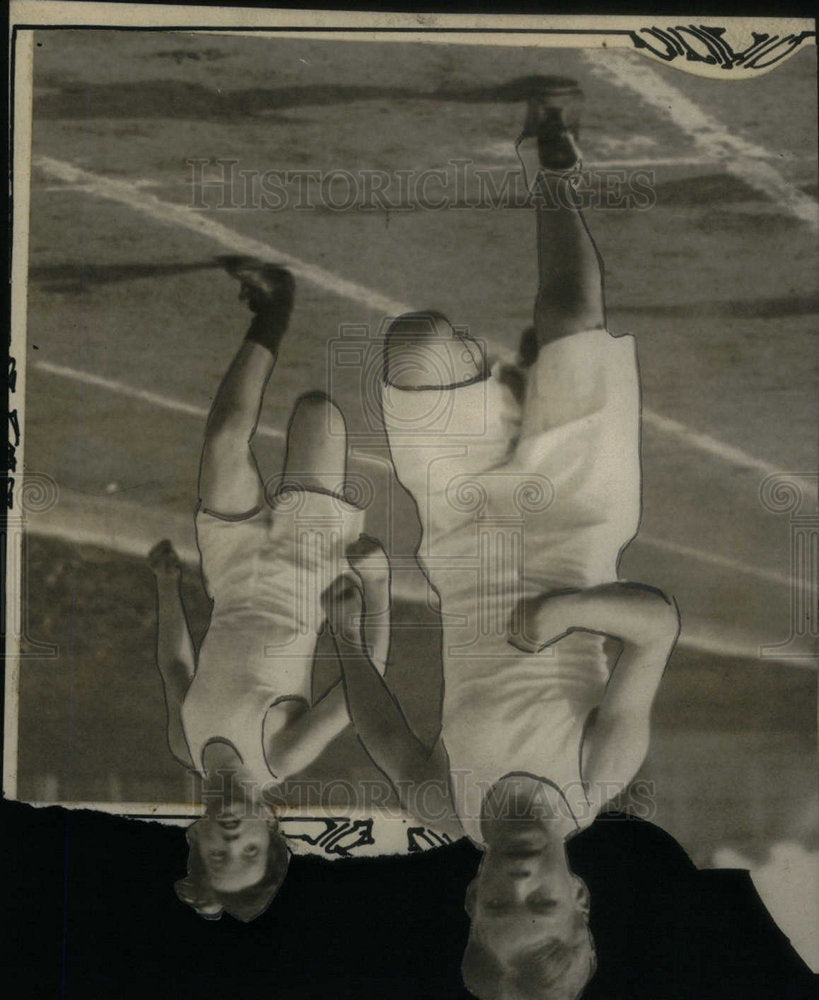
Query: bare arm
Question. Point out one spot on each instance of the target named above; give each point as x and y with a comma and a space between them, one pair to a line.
617, 742
390, 743
380, 723
296, 741
174, 647
646, 623
419, 688
372, 567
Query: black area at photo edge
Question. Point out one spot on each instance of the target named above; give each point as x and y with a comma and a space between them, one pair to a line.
9, 466
96, 888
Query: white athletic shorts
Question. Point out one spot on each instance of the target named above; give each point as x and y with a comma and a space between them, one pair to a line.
563, 466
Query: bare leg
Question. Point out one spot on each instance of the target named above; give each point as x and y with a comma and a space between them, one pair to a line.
379, 721
174, 648
570, 269
316, 459
229, 480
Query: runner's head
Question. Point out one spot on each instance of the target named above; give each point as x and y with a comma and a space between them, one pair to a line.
529, 935
427, 322
423, 350
235, 864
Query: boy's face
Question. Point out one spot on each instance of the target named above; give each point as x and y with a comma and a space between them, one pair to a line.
233, 851
524, 895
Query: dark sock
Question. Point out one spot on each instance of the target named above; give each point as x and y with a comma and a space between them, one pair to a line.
267, 328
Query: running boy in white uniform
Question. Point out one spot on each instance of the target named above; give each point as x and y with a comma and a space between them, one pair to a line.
527, 485
241, 714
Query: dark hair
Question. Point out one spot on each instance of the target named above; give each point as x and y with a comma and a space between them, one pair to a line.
246, 904
555, 970
413, 319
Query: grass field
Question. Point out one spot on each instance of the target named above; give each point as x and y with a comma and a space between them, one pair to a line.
131, 324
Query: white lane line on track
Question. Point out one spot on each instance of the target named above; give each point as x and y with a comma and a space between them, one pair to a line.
72, 529
127, 193
65, 530
708, 640
723, 562
155, 399
502, 155
200, 413
743, 158
638, 152
131, 392
704, 442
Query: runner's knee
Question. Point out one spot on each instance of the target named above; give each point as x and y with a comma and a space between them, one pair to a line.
226, 445
316, 444
228, 426
229, 481
315, 416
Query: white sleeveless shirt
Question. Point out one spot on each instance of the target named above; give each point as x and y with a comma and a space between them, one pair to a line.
266, 575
